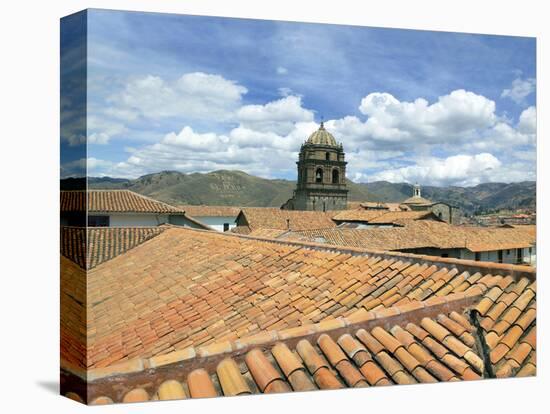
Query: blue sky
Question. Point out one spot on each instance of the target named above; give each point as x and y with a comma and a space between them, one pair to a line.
196, 94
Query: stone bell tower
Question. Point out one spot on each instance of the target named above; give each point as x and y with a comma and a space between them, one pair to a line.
321, 175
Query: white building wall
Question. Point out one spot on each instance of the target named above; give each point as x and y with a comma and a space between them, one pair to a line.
217, 222
508, 256
136, 220
183, 221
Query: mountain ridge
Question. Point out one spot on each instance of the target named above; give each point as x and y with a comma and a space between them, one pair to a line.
237, 188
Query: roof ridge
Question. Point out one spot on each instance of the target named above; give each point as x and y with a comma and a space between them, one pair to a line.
388, 317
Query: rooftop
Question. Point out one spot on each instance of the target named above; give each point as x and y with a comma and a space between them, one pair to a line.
469, 326
193, 288
210, 211
382, 216
103, 243
113, 201
422, 234
418, 200
275, 218
372, 205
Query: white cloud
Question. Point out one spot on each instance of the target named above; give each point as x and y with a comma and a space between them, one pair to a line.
281, 70
101, 129
460, 169
267, 137
187, 138
277, 116
456, 115
193, 96
520, 89
528, 121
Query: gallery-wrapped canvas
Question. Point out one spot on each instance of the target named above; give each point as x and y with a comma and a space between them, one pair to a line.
254, 206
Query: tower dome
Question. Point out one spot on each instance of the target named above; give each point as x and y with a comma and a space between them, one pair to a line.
322, 137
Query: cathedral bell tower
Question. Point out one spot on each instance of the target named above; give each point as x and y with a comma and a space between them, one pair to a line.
321, 182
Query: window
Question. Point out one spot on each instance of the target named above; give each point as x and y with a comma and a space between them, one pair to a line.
327, 156
225, 226
478, 256
445, 255
98, 221
500, 256
519, 256
319, 175
335, 176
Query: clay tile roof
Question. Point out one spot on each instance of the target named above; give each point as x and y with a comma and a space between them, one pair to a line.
420, 234
414, 342
103, 243
114, 201
210, 211
382, 216
267, 233
358, 215
396, 216
274, 218
189, 287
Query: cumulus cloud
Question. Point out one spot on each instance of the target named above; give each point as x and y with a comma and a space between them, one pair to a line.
460, 169
390, 140
189, 139
528, 121
520, 89
101, 129
194, 95
277, 116
454, 116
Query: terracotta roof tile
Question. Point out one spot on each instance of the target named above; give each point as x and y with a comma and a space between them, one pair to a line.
89, 247
407, 352
171, 390
311, 358
230, 286
200, 384
136, 395
210, 211
261, 369
238, 279
274, 218
415, 234
231, 380
111, 201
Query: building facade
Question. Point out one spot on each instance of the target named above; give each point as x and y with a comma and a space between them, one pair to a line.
321, 183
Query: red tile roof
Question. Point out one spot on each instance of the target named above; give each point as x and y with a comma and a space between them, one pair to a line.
103, 243
190, 288
274, 218
421, 234
382, 216
114, 201
211, 211
438, 339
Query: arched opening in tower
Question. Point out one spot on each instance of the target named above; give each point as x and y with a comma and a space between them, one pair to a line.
335, 176
319, 175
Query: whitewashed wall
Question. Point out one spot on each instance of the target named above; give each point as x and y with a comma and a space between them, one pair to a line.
508, 256
183, 221
217, 222
136, 220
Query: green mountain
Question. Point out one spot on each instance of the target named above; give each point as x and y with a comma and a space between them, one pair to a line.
236, 188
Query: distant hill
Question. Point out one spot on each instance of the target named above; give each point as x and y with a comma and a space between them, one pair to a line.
236, 188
